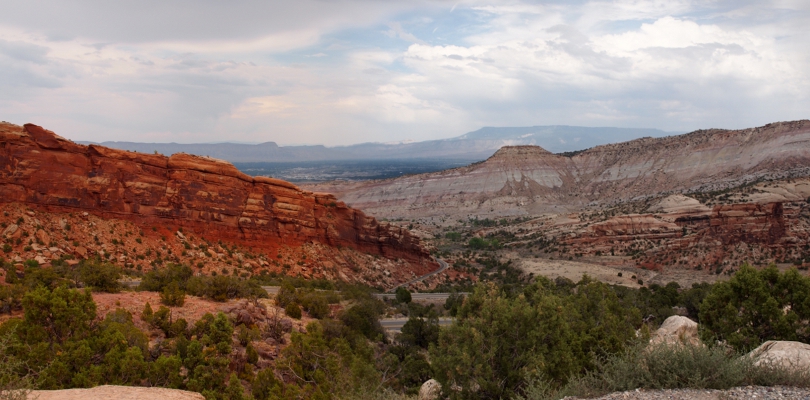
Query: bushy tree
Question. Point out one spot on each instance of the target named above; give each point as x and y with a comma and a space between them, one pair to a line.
501, 338
421, 331
293, 310
755, 306
403, 295
322, 367
58, 315
100, 276
364, 318
286, 294
172, 295
158, 278
12, 385
315, 303
453, 303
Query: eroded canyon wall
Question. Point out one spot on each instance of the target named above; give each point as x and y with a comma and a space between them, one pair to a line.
521, 180
205, 195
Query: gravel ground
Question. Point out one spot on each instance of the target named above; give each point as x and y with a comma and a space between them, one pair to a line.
748, 392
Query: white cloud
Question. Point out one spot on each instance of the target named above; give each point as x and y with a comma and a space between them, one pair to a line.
338, 73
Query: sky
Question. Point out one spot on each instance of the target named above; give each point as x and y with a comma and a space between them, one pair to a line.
351, 71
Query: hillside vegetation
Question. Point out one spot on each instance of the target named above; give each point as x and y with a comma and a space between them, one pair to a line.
530, 340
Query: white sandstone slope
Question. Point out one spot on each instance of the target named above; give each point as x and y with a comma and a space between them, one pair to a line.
521, 180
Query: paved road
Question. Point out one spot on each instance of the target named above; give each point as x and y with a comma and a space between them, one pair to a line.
443, 266
419, 296
396, 324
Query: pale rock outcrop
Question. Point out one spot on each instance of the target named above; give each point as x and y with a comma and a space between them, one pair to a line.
677, 203
10, 230
677, 330
520, 180
116, 392
430, 390
783, 353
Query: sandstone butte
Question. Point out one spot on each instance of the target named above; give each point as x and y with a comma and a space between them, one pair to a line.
204, 195
528, 180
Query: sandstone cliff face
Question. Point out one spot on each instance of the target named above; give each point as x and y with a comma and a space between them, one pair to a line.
203, 195
523, 180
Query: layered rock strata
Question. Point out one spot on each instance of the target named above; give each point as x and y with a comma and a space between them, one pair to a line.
520, 180
204, 195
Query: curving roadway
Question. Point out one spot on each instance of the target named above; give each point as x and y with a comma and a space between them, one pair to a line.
443, 267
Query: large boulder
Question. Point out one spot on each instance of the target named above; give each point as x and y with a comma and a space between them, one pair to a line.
677, 330
116, 392
430, 390
783, 353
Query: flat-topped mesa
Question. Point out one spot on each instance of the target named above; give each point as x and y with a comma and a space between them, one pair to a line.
523, 151
203, 194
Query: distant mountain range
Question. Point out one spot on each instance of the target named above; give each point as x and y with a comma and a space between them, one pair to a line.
473, 146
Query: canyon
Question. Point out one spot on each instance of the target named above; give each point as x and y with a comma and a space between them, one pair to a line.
48, 182
655, 208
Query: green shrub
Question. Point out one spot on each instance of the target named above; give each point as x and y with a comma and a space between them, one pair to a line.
222, 288
293, 310
173, 296
665, 366
754, 306
315, 304
7, 248
478, 243
158, 278
286, 294
363, 318
12, 385
497, 336
419, 331
147, 315
100, 276
403, 295
453, 303
246, 335
251, 354
162, 319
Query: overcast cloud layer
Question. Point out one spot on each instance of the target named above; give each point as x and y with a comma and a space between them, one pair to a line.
350, 71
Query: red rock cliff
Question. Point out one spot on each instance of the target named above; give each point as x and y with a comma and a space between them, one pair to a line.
206, 195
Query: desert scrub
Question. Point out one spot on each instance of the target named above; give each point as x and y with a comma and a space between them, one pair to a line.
665, 366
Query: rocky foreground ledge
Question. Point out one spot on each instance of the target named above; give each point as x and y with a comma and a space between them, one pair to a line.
748, 392
116, 392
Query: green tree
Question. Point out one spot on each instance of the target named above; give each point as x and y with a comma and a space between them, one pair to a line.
266, 386
293, 310
325, 368
251, 354
158, 278
603, 325
235, 390
421, 331
58, 315
100, 276
496, 341
754, 306
12, 385
172, 295
147, 315
364, 318
403, 295
453, 303
286, 294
